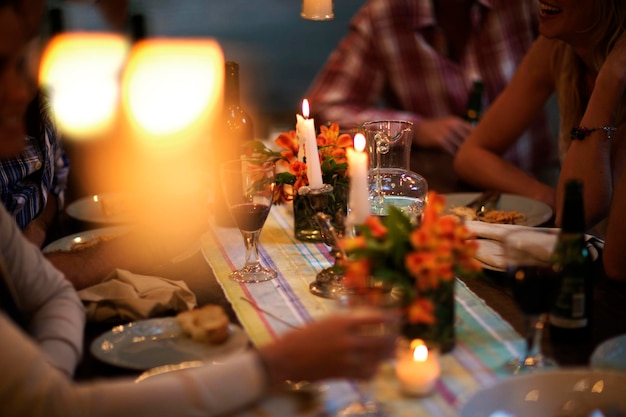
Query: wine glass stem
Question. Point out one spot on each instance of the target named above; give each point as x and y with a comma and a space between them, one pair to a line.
534, 326
251, 240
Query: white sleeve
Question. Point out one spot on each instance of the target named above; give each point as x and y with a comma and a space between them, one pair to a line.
31, 387
52, 310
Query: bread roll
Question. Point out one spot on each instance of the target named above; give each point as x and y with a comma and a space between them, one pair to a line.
208, 324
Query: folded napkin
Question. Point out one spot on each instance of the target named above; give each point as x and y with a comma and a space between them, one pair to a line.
491, 252
125, 296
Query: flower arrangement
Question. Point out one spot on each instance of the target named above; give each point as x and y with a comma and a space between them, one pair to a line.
419, 260
292, 172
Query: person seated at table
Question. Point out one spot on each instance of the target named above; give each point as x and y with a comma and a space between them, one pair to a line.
41, 322
419, 59
581, 54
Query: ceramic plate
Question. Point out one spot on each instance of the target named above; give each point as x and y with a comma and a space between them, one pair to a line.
85, 238
289, 401
146, 344
536, 212
551, 393
107, 208
610, 354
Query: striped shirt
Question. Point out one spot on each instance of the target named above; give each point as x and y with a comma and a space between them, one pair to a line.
390, 67
41, 168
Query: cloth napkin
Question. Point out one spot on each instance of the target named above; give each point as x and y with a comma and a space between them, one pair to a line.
491, 252
125, 296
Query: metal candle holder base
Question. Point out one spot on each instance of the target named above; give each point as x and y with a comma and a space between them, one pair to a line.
328, 282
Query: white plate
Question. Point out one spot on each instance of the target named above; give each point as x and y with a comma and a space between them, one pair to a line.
536, 212
611, 354
90, 209
146, 344
66, 243
303, 402
563, 392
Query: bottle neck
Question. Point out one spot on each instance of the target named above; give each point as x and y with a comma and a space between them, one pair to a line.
231, 86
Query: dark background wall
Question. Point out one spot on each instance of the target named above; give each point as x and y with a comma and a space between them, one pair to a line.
279, 53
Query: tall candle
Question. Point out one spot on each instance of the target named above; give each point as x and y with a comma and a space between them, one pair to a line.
305, 129
358, 203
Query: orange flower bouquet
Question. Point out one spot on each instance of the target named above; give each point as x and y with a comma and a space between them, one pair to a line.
292, 175
420, 262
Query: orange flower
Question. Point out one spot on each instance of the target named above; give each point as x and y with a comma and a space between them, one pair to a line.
353, 243
288, 141
421, 310
377, 228
356, 273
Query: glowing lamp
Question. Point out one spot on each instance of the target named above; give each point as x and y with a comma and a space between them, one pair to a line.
172, 89
81, 74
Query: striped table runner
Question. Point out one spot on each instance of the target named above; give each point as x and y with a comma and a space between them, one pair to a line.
484, 340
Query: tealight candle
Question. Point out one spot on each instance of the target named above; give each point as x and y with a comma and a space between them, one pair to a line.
305, 130
358, 203
418, 369
317, 9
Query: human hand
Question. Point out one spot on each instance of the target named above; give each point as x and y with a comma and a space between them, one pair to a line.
334, 347
446, 133
35, 232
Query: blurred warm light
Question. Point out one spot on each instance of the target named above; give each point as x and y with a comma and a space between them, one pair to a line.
317, 10
172, 88
359, 142
81, 73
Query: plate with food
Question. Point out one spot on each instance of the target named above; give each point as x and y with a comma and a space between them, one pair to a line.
85, 239
194, 335
106, 208
509, 209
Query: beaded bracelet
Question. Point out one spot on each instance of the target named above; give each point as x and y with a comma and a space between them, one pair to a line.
582, 132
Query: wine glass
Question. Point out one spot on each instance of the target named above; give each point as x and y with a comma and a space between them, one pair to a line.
359, 299
248, 186
535, 284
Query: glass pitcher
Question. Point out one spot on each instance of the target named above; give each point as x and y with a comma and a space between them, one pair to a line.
390, 178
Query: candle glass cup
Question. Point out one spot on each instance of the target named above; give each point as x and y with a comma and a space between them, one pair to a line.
248, 187
417, 367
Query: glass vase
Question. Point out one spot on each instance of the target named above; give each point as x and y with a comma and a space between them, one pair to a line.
306, 228
441, 333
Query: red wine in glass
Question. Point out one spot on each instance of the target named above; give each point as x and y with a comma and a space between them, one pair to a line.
250, 217
534, 287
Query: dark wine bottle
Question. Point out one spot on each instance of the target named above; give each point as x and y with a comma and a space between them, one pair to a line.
571, 315
474, 106
235, 128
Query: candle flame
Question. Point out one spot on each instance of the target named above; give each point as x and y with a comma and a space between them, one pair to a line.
305, 108
420, 350
359, 142
95, 198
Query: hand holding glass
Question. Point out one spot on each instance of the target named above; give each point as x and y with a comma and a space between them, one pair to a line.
535, 285
249, 189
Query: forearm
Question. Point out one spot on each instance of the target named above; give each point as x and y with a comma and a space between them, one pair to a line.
495, 173
589, 159
37, 229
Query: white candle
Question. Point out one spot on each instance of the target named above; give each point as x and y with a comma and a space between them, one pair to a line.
358, 204
418, 369
305, 129
317, 9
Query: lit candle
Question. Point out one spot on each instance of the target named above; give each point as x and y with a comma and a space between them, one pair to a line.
418, 369
359, 203
305, 129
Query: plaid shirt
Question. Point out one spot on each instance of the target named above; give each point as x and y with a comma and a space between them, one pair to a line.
41, 168
390, 55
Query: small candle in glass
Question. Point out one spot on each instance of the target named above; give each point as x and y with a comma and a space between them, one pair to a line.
417, 368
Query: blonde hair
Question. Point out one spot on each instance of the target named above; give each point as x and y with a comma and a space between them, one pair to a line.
604, 33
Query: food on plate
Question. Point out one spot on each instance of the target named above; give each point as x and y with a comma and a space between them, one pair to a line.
208, 324
502, 217
113, 205
489, 216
